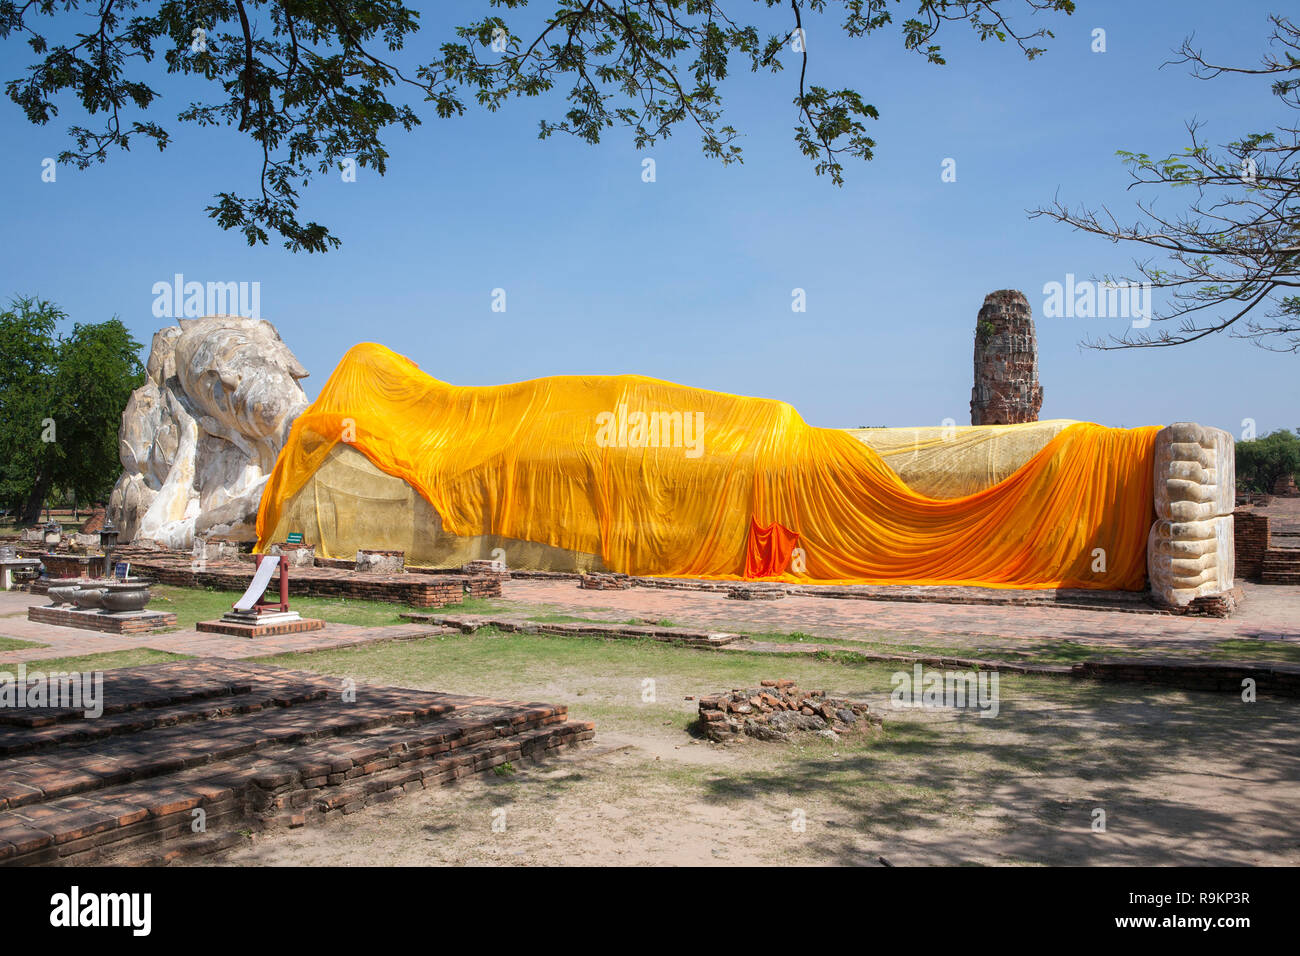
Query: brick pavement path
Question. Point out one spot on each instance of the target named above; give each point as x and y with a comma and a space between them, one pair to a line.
75, 642
1269, 613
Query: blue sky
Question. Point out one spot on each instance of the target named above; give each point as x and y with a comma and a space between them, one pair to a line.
689, 278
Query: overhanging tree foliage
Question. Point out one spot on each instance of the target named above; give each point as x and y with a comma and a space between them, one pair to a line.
314, 82
61, 402
1230, 258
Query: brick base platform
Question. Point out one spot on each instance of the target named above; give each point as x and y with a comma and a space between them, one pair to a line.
236, 629
127, 622
238, 746
333, 577
415, 590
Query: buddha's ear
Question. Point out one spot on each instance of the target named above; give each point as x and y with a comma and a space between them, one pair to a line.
294, 367
285, 359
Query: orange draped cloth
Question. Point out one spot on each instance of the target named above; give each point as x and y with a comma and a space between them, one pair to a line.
664, 479
770, 551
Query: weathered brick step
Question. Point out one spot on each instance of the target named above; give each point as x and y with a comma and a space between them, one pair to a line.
422, 773
284, 787
33, 778
16, 741
1280, 566
124, 691
78, 829
181, 848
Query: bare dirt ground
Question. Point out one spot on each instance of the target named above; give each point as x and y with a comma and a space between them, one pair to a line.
1183, 779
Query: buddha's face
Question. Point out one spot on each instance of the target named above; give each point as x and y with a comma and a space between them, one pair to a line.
240, 376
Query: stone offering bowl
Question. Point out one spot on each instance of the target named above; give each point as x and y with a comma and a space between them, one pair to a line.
62, 589
126, 596
88, 597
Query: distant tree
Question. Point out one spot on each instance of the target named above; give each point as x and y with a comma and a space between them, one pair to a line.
309, 81
1232, 254
98, 369
61, 402
29, 344
1262, 461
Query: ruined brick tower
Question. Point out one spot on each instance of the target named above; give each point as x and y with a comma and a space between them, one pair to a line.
1006, 388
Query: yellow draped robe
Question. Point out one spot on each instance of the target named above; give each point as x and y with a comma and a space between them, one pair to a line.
664, 479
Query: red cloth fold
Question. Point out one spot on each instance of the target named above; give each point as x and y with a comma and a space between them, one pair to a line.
769, 549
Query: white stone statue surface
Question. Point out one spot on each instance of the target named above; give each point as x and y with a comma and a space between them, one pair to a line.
1190, 547
199, 438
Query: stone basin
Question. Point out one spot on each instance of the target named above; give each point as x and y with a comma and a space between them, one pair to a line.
62, 589
126, 596
88, 597
113, 595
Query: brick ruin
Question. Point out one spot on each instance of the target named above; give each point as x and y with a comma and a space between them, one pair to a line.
1006, 390
778, 710
1285, 487
1267, 548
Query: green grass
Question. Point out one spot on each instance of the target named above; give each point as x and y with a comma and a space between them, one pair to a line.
13, 644
9, 526
99, 662
1063, 652
974, 646
1247, 649
477, 606
191, 605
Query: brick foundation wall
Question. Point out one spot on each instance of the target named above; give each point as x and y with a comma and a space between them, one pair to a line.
72, 566
415, 590
381, 562
1250, 542
338, 564
106, 623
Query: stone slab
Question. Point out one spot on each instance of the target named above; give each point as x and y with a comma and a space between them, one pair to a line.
267, 629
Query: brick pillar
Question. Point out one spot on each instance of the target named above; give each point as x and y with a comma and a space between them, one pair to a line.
1006, 388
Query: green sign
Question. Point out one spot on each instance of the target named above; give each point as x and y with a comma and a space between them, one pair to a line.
295, 537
